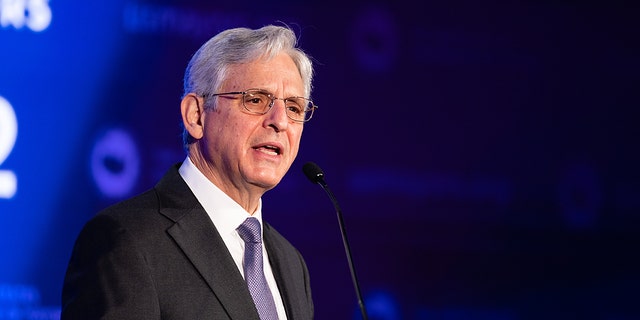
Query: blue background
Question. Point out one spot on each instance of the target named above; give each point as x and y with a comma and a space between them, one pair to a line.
484, 154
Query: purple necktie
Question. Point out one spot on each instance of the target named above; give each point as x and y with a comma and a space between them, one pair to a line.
249, 231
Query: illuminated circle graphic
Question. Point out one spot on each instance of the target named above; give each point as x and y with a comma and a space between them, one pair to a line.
373, 39
8, 135
115, 163
380, 304
580, 196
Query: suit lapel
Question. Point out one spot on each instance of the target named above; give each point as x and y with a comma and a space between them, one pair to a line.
283, 275
198, 238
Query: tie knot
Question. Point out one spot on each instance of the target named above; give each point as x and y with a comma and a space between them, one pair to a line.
249, 230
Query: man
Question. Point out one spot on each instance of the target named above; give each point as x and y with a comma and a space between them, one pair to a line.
176, 251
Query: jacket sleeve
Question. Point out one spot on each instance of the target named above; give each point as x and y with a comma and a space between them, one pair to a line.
107, 276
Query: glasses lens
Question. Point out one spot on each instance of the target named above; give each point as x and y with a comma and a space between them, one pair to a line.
256, 101
259, 102
299, 109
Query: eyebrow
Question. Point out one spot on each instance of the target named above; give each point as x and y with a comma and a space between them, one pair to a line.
273, 94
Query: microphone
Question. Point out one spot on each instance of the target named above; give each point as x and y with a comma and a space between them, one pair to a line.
315, 175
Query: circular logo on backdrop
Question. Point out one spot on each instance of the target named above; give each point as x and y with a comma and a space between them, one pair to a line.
115, 163
374, 39
580, 196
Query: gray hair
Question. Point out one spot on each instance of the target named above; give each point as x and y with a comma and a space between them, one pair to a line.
209, 65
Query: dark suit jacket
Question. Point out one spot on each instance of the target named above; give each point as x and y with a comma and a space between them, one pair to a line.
159, 256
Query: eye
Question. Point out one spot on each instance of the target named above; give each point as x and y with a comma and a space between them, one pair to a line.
294, 106
255, 99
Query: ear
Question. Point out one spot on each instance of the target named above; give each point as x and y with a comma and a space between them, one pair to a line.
192, 108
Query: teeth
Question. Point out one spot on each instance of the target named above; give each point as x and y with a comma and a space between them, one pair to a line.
269, 149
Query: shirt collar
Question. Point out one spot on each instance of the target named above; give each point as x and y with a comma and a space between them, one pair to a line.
225, 213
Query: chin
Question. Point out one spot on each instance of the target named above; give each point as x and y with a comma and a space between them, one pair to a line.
266, 181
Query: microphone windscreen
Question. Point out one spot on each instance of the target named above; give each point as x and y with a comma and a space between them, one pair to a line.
313, 172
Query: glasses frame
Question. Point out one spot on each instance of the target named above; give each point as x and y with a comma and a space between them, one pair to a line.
269, 95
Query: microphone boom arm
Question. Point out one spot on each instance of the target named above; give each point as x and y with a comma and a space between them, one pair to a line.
315, 174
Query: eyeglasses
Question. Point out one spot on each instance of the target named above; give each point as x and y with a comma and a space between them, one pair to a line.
257, 101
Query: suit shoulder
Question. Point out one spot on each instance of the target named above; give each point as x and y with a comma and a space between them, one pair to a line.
134, 214
145, 200
273, 237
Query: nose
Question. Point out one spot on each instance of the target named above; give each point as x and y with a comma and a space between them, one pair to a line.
277, 117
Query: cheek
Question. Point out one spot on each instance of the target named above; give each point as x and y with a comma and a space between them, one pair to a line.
236, 136
216, 135
295, 142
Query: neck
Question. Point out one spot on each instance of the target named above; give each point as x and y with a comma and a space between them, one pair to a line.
247, 196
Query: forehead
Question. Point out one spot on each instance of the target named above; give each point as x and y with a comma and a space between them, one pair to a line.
278, 75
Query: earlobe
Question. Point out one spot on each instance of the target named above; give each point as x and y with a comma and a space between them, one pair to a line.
192, 108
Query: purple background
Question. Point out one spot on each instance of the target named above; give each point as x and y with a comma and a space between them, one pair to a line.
484, 155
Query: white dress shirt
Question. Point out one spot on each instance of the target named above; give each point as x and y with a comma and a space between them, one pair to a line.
227, 215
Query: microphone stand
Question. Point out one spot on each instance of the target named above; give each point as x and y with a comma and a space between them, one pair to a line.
325, 187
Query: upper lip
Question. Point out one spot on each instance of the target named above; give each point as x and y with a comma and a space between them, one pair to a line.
274, 145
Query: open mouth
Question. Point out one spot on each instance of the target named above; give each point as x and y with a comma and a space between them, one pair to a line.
269, 149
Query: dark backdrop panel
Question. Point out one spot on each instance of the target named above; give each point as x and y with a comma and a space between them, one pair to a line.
484, 154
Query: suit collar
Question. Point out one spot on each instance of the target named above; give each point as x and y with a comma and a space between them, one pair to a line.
198, 238
284, 276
